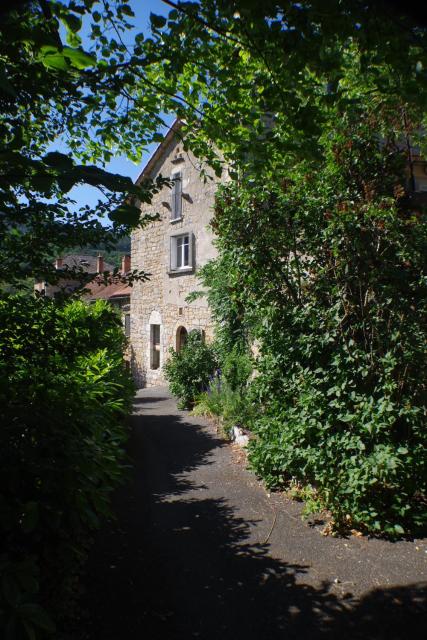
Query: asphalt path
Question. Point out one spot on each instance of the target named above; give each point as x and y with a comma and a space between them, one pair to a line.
201, 550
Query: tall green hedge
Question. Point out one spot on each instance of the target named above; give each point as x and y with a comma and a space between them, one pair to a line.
325, 269
63, 395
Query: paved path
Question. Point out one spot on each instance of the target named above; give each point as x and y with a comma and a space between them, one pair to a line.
200, 550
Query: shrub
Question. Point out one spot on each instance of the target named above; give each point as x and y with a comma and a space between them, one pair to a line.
324, 264
63, 394
210, 402
363, 451
227, 395
233, 407
236, 367
190, 370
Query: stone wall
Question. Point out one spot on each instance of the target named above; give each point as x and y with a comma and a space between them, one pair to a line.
162, 299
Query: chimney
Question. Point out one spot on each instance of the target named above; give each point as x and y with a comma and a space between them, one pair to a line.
58, 263
125, 264
100, 264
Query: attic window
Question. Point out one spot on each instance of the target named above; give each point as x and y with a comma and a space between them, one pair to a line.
178, 157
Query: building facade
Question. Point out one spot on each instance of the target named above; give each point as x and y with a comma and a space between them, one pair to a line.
171, 250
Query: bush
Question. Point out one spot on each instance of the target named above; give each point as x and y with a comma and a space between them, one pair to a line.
236, 368
64, 393
362, 450
210, 402
231, 405
227, 395
190, 370
324, 265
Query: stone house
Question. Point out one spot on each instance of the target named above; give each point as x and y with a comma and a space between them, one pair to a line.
171, 250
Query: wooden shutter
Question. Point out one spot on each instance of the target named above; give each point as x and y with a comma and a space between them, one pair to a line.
176, 205
191, 250
127, 325
173, 252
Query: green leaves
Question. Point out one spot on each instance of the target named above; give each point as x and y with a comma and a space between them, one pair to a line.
157, 22
65, 392
66, 58
58, 160
78, 58
126, 10
72, 22
190, 370
126, 214
5, 85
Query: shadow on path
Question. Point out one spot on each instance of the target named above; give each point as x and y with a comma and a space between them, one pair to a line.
178, 564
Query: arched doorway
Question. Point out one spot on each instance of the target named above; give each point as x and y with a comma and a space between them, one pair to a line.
181, 338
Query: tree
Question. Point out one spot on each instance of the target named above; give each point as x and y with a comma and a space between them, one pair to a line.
220, 66
55, 92
64, 389
234, 63
319, 111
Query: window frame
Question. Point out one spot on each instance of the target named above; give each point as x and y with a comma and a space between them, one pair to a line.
175, 249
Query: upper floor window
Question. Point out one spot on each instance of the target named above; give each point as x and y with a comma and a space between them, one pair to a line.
176, 204
181, 252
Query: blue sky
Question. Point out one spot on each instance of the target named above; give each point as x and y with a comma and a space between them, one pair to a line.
84, 195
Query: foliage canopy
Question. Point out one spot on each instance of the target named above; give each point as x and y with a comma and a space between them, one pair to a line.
62, 110
321, 118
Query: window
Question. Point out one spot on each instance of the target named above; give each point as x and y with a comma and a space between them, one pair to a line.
181, 338
176, 204
420, 183
155, 346
127, 325
181, 256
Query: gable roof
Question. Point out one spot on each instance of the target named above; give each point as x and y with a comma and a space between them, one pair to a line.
98, 290
86, 263
148, 168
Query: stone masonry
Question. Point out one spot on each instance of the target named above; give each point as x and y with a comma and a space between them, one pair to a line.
159, 305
